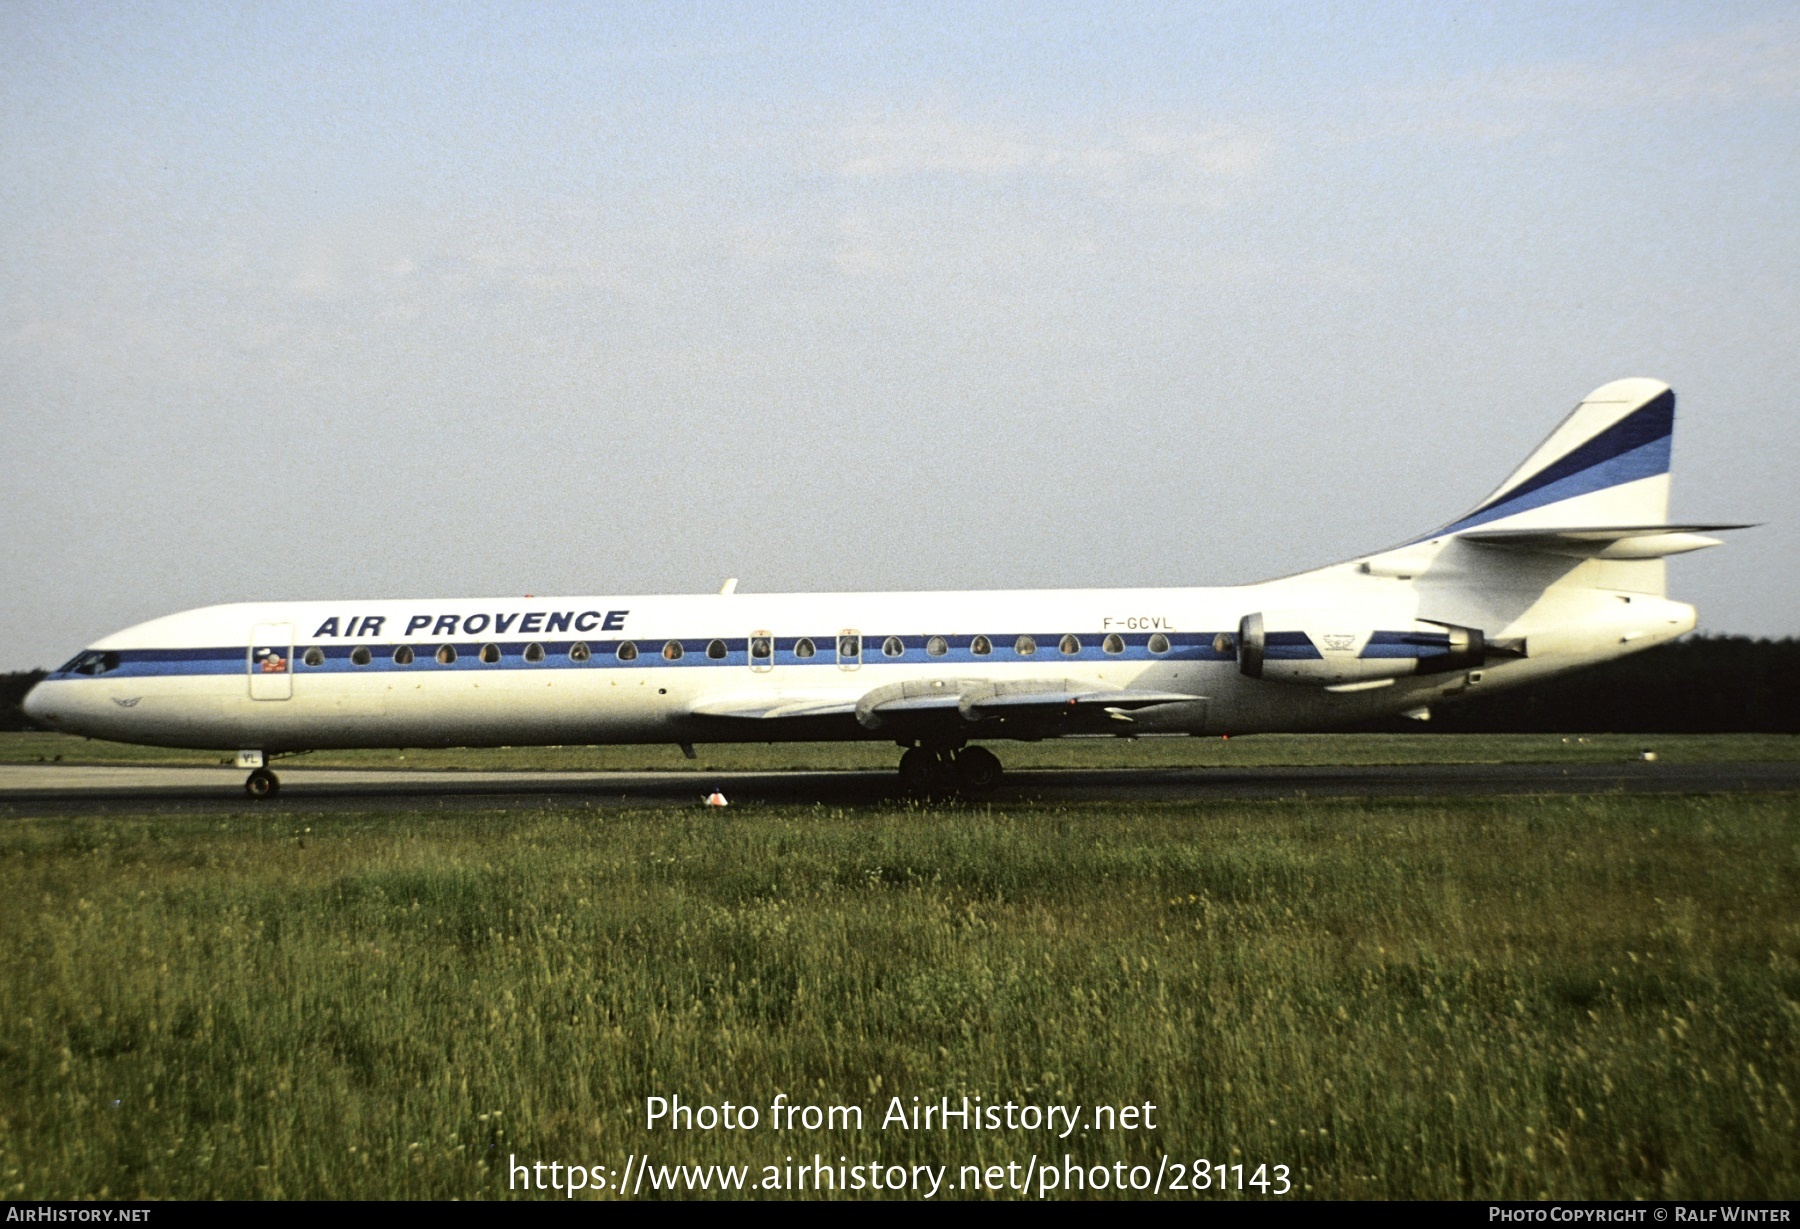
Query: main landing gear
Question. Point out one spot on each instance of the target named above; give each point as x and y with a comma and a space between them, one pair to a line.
941, 772
262, 784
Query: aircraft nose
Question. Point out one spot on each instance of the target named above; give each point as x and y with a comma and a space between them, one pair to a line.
37, 706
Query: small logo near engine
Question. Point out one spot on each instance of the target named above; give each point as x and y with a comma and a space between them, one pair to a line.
1339, 642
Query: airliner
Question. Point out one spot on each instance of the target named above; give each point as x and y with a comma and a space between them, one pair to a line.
1562, 566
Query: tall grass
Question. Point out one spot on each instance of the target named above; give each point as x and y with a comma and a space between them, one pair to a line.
1258, 751
1519, 998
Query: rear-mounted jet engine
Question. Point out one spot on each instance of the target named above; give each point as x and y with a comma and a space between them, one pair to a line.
1321, 648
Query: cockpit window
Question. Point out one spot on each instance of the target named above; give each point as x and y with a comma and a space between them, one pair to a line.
94, 662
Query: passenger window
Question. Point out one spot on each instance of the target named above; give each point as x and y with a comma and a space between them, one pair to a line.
579, 651
360, 655
762, 648
1069, 646
1112, 644
804, 648
849, 651
403, 656
534, 652
716, 650
1159, 643
672, 651
981, 646
1223, 643
446, 655
893, 646
1025, 646
490, 653
627, 651
937, 646
315, 656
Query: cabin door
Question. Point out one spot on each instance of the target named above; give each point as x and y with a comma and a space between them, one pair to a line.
271, 661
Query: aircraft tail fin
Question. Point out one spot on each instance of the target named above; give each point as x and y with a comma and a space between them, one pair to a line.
1606, 465
1596, 490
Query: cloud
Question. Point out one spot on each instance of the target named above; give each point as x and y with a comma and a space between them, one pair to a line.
1759, 63
1154, 158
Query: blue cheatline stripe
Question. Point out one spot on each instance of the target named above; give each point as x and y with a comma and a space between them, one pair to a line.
1645, 462
1289, 646
1652, 421
1637, 446
1406, 644
231, 659
1183, 646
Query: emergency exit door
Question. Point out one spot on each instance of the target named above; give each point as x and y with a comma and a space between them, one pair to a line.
271, 661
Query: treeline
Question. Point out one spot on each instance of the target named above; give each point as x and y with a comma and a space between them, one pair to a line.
1701, 685
12, 695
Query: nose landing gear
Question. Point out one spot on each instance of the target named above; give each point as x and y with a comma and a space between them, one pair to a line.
943, 772
262, 784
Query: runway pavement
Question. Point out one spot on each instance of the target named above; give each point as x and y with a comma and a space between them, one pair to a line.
64, 789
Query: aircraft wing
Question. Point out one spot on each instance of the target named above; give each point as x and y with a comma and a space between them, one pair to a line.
941, 704
1047, 702
776, 705
960, 703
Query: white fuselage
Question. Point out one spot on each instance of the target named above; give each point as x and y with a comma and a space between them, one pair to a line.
304, 675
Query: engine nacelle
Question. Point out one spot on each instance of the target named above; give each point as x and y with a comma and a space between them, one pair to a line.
1323, 648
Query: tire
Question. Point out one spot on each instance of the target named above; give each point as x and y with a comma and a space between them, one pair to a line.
977, 770
918, 771
262, 784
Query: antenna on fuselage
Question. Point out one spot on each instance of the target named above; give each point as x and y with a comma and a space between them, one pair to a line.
728, 588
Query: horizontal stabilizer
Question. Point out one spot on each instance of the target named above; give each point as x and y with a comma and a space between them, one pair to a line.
1603, 541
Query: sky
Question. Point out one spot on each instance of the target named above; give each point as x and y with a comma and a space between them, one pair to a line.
360, 301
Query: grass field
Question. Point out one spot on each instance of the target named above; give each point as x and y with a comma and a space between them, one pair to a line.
1516, 998
1258, 751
